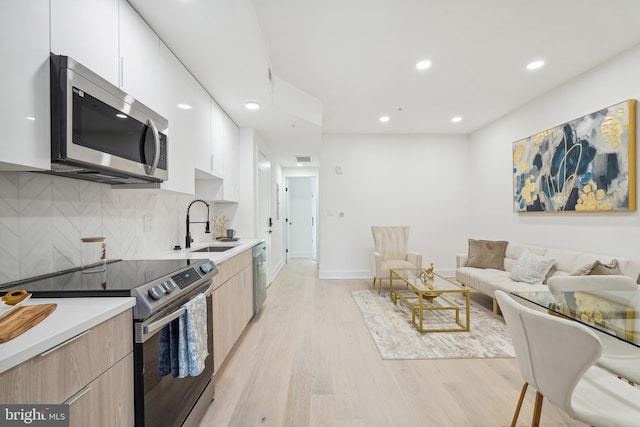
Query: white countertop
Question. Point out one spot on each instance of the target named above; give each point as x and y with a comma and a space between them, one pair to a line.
238, 246
71, 317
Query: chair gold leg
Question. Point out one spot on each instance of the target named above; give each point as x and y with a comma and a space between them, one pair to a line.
374, 283
517, 412
537, 410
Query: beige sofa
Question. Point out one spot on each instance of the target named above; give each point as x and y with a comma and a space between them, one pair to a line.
488, 280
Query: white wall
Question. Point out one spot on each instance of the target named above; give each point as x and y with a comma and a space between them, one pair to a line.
491, 190
416, 180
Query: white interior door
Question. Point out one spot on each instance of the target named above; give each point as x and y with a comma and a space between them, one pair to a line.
264, 205
302, 220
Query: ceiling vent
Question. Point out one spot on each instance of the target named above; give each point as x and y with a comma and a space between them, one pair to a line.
303, 159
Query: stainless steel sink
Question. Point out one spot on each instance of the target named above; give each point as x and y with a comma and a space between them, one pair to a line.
214, 249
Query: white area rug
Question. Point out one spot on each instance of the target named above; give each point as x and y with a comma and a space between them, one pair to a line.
396, 338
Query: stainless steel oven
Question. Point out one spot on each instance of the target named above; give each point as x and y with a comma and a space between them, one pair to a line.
161, 398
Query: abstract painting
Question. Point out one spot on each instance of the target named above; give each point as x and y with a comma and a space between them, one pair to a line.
586, 165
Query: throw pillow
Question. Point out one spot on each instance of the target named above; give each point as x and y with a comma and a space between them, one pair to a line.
582, 271
600, 269
487, 253
531, 268
550, 274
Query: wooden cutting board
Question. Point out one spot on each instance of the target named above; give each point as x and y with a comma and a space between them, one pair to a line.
23, 319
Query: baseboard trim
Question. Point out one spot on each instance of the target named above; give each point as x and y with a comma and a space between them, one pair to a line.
367, 274
344, 275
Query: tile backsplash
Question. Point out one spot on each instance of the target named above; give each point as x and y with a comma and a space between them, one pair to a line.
43, 217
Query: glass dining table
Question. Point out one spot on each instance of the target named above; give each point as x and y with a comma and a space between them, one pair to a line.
615, 313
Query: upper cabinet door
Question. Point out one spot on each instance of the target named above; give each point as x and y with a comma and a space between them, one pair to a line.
87, 31
24, 104
202, 131
177, 98
139, 58
231, 135
217, 140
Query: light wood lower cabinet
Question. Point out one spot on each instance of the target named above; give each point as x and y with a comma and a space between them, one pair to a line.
93, 370
232, 306
107, 401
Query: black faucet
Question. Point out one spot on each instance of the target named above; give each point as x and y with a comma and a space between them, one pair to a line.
188, 238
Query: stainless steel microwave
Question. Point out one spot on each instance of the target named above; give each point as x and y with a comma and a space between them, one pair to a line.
99, 133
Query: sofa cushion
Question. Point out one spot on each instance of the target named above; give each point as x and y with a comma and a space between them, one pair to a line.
600, 269
487, 253
531, 268
514, 251
565, 260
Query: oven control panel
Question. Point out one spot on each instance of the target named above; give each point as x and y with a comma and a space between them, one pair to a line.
154, 295
186, 278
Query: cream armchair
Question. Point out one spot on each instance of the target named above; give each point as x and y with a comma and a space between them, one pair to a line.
391, 252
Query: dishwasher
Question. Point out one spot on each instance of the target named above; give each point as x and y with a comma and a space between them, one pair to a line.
259, 275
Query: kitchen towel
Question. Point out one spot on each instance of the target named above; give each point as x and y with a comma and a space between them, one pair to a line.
196, 334
183, 342
168, 360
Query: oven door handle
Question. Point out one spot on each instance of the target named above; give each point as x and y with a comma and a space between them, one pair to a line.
158, 324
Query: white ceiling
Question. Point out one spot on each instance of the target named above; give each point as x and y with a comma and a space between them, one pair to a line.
338, 65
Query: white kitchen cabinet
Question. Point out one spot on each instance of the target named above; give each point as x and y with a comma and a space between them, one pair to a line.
24, 104
231, 176
202, 133
87, 31
222, 184
177, 89
139, 58
217, 139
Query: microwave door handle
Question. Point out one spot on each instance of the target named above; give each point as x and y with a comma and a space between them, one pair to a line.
156, 157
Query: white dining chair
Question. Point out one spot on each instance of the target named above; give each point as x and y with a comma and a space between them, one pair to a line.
619, 357
556, 357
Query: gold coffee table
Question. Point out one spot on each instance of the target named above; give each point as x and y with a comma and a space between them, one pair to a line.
435, 303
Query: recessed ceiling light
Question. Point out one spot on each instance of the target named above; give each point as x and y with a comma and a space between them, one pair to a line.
456, 119
535, 65
298, 164
184, 106
423, 65
30, 118
384, 119
121, 116
252, 105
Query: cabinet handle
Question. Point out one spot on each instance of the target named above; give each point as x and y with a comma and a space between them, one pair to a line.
62, 344
73, 399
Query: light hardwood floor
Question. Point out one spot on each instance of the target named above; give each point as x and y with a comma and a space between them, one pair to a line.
308, 360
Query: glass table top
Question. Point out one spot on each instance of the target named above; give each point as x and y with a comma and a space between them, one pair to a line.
616, 313
417, 277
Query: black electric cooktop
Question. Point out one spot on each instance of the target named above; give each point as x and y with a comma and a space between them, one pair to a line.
119, 278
